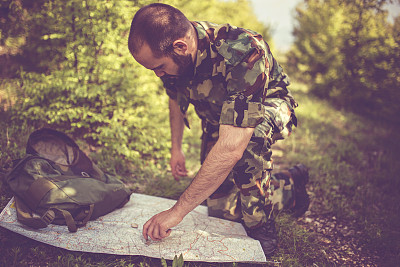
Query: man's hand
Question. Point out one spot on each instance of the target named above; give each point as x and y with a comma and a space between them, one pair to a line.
177, 164
159, 226
219, 162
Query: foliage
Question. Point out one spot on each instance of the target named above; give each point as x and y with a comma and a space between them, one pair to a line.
347, 51
177, 262
78, 76
101, 113
238, 13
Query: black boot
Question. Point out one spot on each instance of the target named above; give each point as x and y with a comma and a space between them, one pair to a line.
300, 178
267, 236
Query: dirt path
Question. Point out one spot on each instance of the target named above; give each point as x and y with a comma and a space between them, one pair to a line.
339, 239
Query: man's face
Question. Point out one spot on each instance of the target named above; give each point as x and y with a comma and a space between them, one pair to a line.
173, 66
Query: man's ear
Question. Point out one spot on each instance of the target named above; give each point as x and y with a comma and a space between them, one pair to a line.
180, 47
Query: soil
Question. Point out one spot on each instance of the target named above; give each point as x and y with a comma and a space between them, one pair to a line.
339, 238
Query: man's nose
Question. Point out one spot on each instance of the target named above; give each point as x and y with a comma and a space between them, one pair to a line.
159, 73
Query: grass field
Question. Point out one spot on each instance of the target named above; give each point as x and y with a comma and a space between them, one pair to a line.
354, 177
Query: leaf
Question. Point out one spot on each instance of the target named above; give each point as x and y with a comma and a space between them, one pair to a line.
178, 261
175, 262
164, 262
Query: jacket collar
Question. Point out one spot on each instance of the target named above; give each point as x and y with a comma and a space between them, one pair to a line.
203, 44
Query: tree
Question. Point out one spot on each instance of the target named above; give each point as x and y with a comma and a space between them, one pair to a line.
238, 13
346, 50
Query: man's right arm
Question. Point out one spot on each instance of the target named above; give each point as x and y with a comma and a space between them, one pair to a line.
177, 162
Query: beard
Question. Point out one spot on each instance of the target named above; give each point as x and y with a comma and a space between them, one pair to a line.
184, 73
185, 65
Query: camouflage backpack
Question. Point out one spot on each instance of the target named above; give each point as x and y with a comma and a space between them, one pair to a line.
57, 183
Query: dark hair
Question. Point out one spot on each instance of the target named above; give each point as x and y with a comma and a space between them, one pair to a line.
159, 25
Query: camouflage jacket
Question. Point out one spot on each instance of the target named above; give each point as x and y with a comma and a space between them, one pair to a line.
235, 77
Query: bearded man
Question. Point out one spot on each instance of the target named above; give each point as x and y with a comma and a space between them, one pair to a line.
240, 93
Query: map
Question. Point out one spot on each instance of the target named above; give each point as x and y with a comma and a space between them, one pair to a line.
198, 237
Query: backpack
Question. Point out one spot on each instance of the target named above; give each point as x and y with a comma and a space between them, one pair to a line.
57, 183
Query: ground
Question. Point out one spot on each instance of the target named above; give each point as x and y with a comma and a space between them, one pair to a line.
339, 238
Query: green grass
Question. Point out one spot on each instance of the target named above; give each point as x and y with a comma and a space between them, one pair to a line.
353, 168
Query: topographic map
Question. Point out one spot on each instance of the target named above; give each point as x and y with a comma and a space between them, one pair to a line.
198, 237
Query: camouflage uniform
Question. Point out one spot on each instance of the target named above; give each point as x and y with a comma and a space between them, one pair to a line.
238, 82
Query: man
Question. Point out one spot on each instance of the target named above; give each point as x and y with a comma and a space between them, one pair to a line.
239, 91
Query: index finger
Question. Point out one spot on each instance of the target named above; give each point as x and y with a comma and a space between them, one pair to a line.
145, 229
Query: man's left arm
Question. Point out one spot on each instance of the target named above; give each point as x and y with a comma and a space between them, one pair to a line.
221, 159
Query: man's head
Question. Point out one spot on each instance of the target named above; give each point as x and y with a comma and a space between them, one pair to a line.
162, 39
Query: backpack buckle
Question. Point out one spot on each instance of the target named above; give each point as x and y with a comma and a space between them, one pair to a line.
48, 217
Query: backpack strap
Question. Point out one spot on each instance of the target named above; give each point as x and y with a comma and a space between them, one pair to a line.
71, 223
25, 215
84, 216
69, 220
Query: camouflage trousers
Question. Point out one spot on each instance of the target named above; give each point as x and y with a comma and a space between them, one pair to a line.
251, 193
